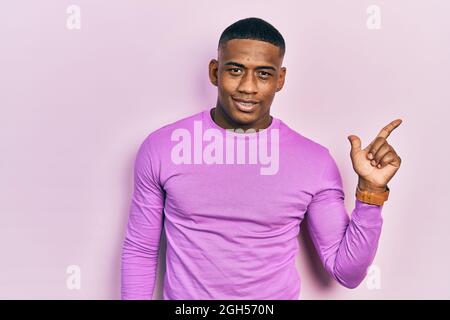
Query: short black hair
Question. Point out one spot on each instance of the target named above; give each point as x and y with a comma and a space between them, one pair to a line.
254, 29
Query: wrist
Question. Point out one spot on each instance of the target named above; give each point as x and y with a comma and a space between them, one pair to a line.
364, 185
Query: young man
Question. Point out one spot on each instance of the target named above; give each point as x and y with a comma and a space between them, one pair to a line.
231, 201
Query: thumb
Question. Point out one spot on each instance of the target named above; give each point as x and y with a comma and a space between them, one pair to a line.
355, 144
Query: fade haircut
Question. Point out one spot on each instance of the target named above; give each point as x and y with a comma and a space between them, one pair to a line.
254, 29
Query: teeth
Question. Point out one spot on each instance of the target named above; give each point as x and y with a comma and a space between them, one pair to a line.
247, 103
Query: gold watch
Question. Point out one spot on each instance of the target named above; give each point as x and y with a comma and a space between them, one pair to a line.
377, 198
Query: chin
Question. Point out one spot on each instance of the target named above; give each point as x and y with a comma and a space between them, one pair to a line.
243, 118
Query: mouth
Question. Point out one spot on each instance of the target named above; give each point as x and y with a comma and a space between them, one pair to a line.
245, 105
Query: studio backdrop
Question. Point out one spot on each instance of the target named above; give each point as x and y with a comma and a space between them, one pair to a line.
82, 83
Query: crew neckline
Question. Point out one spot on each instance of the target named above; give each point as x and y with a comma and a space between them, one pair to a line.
211, 124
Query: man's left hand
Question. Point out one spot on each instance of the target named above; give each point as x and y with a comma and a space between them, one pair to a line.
378, 162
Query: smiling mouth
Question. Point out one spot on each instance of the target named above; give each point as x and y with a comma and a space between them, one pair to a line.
245, 106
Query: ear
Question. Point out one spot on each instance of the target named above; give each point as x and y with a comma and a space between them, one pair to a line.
281, 77
213, 71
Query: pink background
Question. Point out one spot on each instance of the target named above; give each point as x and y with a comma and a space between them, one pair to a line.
76, 104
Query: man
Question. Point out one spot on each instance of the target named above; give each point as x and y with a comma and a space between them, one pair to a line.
232, 217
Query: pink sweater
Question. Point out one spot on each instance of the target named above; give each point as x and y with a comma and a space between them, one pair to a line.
232, 221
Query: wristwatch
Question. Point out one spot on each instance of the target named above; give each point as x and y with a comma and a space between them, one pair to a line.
377, 198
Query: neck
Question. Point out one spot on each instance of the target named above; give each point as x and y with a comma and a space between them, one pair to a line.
223, 121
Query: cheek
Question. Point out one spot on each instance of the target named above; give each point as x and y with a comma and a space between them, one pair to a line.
269, 91
228, 85
271, 94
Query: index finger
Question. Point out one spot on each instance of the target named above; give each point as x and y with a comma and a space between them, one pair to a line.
386, 131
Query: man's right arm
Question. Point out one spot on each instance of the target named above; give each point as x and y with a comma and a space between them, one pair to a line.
140, 248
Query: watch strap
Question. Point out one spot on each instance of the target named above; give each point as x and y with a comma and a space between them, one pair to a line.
377, 198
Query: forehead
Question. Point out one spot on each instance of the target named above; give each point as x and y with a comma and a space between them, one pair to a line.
250, 52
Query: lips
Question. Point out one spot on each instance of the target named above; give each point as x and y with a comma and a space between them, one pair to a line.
245, 105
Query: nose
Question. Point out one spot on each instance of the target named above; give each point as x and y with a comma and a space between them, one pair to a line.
248, 84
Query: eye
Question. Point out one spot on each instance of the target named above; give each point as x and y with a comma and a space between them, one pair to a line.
265, 75
234, 70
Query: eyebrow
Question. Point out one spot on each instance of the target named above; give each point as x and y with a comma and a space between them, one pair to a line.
240, 65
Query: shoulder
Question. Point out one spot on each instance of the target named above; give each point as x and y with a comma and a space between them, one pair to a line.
305, 146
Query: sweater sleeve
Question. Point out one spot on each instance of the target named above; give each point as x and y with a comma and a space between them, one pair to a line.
143, 232
345, 246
